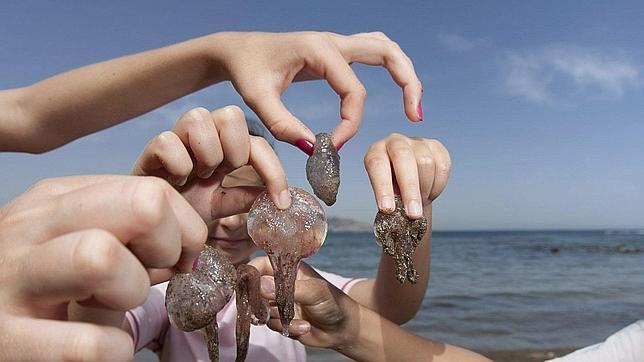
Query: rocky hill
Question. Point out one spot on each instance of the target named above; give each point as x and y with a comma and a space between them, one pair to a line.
342, 224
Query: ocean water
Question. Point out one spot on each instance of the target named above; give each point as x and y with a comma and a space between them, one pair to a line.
509, 290
513, 290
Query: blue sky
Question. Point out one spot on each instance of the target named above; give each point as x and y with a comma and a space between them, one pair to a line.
541, 104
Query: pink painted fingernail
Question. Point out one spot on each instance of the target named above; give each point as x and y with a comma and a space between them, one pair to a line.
419, 111
195, 263
338, 147
305, 146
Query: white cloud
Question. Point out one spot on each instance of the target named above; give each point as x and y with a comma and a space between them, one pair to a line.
457, 43
552, 72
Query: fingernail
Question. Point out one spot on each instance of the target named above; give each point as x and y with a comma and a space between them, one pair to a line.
205, 174
195, 263
284, 200
267, 285
415, 209
419, 111
305, 146
339, 146
387, 203
302, 328
178, 180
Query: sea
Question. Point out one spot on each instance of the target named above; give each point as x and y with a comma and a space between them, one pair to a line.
510, 290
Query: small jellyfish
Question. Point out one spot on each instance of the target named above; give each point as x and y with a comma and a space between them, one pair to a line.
399, 236
323, 169
251, 307
194, 299
287, 236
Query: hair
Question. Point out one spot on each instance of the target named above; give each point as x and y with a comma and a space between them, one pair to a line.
256, 128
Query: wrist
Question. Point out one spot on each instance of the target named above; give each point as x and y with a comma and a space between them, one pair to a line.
218, 48
360, 338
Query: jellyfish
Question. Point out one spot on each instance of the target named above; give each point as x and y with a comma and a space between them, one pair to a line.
251, 307
323, 169
287, 236
194, 299
399, 236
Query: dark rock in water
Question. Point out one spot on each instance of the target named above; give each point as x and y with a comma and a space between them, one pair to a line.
399, 236
323, 169
628, 250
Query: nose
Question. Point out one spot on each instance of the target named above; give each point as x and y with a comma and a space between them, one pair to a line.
233, 222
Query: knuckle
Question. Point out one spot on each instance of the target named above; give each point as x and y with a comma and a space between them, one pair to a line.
400, 151
374, 162
96, 255
232, 113
278, 129
148, 202
426, 161
86, 346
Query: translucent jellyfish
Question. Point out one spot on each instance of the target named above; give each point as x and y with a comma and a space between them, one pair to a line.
251, 307
194, 299
323, 169
287, 236
399, 236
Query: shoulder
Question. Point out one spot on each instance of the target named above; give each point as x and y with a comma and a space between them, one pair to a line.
627, 345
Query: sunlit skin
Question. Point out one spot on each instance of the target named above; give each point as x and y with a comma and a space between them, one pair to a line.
229, 234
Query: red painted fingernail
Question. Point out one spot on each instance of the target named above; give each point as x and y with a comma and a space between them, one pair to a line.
419, 110
305, 146
338, 147
195, 263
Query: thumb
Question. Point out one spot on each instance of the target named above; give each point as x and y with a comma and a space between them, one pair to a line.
280, 122
233, 200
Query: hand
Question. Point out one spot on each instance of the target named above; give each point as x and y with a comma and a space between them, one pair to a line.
418, 168
262, 65
201, 150
323, 313
88, 239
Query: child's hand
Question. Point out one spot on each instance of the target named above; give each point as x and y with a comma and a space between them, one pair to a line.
321, 310
203, 148
417, 168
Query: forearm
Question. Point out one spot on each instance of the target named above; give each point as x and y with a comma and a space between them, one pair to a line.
385, 295
67, 106
378, 339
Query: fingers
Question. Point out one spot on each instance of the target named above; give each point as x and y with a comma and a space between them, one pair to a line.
443, 167
296, 328
165, 156
419, 168
233, 201
283, 125
378, 167
50, 340
231, 124
148, 215
198, 133
328, 63
378, 49
87, 264
264, 160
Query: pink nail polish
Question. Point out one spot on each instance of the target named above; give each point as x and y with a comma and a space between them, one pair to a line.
419, 111
305, 146
195, 263
338, 147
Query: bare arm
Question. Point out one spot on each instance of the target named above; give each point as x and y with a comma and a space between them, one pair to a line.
384, 294
260, 66
64, 107
419, 168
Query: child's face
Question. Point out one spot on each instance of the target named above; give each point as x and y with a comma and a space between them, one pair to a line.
229, 234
